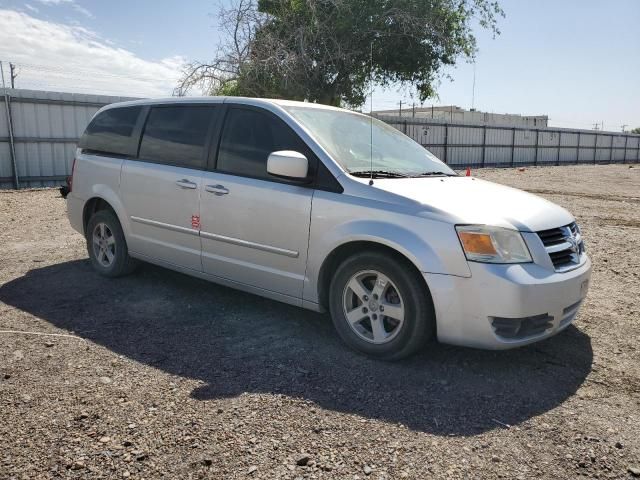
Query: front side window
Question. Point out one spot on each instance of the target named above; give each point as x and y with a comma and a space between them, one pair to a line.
176, 135
111, 131
360, 144
249, 136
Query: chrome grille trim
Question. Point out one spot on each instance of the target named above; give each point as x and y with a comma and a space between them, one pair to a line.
564, 245
559, 247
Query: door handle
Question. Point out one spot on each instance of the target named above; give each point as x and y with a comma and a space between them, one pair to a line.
217, 189
184, 183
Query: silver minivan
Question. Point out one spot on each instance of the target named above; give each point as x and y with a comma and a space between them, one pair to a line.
329, 210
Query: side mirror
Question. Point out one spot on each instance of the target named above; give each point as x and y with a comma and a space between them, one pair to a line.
288, 164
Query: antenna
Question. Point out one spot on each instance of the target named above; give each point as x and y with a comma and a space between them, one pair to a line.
371, 114
473, 92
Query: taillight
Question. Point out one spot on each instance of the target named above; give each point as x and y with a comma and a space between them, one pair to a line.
70, 179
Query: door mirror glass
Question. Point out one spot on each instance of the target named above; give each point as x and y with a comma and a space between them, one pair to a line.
289, 164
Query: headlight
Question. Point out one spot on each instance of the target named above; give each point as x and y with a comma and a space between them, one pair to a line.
482, 243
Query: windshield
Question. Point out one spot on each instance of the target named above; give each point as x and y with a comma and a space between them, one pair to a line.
347, 137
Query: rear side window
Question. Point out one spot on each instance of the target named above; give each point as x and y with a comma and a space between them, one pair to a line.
176, 135
249, 136
112, 132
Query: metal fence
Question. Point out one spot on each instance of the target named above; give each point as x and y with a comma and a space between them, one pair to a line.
464, 145
39, 131
38, 134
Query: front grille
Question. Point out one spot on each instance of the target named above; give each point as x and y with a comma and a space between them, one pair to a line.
564, 246
551, 237
521, 328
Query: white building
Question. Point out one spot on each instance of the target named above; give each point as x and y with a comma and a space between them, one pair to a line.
453, 114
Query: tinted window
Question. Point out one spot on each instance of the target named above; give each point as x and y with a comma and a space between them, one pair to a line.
176, 135
249, 137
111, 131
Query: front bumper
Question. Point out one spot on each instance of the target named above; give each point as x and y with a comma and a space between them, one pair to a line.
75, 209
505, 306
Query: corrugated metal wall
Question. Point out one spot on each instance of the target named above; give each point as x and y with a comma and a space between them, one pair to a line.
463, 145
46, 128
47, 125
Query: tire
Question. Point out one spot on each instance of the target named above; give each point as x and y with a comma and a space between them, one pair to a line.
403, 291
109, 258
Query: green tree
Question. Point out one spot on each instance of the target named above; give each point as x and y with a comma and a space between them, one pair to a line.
329, 51
636, 130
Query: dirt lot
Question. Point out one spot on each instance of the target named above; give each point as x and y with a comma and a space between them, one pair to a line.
161, 375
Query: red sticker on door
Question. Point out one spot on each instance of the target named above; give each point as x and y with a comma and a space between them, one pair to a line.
195, 221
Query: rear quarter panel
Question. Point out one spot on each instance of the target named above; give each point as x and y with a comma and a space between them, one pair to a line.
97, 176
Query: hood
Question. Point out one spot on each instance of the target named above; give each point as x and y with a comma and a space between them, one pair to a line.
470, 200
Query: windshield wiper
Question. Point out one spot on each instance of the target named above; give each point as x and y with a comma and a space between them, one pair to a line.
378, 174
435, 174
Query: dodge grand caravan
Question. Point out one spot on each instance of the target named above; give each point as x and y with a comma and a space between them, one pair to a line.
329, 210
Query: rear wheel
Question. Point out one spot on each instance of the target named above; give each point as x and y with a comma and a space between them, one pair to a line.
380, 306
107, 246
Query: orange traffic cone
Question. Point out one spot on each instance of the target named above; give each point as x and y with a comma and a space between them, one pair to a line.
468, 172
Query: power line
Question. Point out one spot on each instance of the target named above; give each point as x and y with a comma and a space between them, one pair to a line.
66, 70
86, 90
83, 80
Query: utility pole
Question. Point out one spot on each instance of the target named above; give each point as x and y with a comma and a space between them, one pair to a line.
400, 111
12, 69
595, 126
625, 125
2, 74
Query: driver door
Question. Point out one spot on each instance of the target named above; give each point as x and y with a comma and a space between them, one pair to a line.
254, 226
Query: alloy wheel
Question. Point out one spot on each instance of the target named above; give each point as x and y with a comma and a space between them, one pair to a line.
373, 307
104, 244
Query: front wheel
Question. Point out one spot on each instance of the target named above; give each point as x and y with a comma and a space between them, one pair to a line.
107, 246
380, 306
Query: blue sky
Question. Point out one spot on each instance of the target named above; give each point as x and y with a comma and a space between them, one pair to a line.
577, 61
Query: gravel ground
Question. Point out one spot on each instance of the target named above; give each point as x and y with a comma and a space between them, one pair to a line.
162, 375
